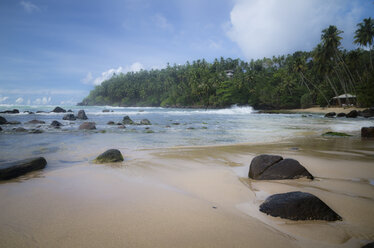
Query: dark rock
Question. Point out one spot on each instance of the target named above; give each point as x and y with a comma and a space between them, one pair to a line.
36, 131
341, 115
111, 123
330, 114
176, 123
14, 169
368, 113
106, 110
3, 120
20, 129
1, 129
14, 111
121, 127
352, 114
36, 122
29, 112
110, 156
367, 132
127, 121
59, 110
56, 124
70, 111
13, 122
336, 134
298, 206
39, 112
369, 245
87, 126
145, 122
82, 115
273, 167
69, 117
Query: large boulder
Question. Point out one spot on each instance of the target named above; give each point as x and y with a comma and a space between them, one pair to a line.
110, 156
341, 115
298, 206
35, 122
82, 115
3, 120
127, 121
69, 117
369, 245
14, 169
56, 124
352, 114
330, 114
145, 122
368, 112
367, 132
59, 110
87, 126
273, 167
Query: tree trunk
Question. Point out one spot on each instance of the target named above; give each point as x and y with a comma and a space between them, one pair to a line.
334, 89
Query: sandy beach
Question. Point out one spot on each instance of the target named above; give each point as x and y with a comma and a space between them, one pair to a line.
191, 197
325, 110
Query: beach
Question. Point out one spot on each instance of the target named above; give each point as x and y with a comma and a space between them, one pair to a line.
188, 195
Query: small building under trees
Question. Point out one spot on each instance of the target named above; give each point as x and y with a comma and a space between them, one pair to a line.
345, 100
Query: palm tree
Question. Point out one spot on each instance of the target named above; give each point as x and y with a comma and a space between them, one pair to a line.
364, 35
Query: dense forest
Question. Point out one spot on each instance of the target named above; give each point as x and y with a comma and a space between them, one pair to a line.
299, 80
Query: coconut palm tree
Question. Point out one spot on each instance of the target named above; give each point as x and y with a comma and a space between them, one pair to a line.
364, 35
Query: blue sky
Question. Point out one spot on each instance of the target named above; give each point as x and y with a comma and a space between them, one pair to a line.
54, 52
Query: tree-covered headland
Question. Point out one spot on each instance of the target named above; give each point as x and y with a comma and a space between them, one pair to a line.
301, 79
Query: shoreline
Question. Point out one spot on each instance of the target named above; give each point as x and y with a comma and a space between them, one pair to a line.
313, 110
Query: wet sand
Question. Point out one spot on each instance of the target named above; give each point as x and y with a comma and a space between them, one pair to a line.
316, 110
190, 197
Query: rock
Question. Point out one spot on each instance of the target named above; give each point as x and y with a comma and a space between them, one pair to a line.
69, 117
1, 129
20, 130
111, 123
29, 112
149, 131
368, 112
59, 110
56, 124
14, 111
35, 122
87, 126
36, 131
273, 167
330, 114
121, 127
3, 120
106, 110
341, 115
298, 206
367, 132
127, 121
70, 111
336, 134
145, 122
110, 156
352, 114
82, 115
369, 245
13, 122
14, 169
39, 112
176, 123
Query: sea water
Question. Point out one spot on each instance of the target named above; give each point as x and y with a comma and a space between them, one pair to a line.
170, 127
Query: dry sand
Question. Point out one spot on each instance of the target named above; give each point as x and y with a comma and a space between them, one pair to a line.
191, 197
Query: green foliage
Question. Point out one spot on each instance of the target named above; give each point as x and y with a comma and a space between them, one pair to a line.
306, 100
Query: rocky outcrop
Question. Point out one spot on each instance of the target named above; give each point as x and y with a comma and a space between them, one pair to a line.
14, 169
127, 121
59, 110
82, 115
352, 114
274, 167
35, 122
56, 124
145, 122
69, 117
341, 115
330, 114
14, 111
3, 120
367, 132
298, 206
110, 156
87, 126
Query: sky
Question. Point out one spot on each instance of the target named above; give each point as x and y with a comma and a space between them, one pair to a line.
54, 52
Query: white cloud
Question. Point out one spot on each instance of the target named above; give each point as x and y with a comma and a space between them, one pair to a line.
19, 100
43, 100
3, 98
29, 7
272, 27
135, 67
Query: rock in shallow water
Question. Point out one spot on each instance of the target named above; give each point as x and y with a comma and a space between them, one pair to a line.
69, 117
145, 122
3, 120
367, 132
110, 156
330, 114
56, 124
88, 126
127, 121
59, 110
82, 115
274, 167
36, 122
14, 169
298, 206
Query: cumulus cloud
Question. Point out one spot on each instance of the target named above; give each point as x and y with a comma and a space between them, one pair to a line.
3, 98
19, 100
29, 7
272, 27
43, 100
135, 67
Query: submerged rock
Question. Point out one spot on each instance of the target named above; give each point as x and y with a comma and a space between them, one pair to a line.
105, 110
3, 120
298, 206
274, 167
87, 126
59, 110
13, 122
111, 123
330, 114
56, 124
69, 117
336, 134
82, 115
20, 129
35, 122
352, 114
36, 131
110, 156
127, 121
367, 132
14, 169
145, 122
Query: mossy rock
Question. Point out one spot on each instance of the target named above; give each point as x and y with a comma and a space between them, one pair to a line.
336, 134
110, 156
149, 131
